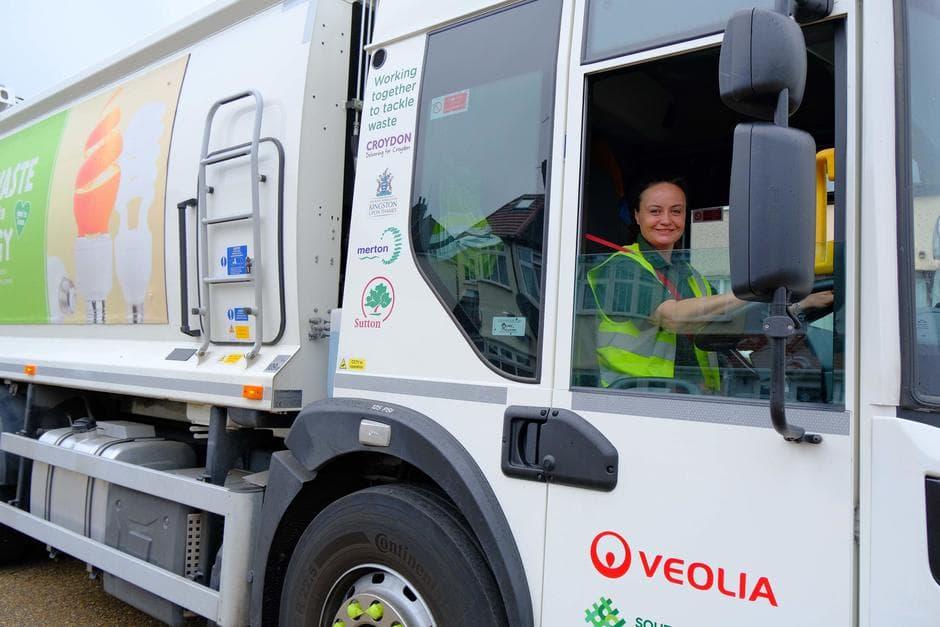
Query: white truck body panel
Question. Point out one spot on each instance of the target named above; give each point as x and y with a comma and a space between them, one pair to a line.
132, 358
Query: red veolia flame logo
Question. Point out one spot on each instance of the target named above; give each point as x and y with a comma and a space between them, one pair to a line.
607, 564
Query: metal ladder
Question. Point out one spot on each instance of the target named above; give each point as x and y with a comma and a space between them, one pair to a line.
253, 275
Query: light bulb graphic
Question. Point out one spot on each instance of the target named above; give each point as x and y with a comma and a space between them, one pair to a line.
96, 188
133, 245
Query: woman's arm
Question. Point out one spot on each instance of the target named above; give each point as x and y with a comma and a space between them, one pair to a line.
690, 314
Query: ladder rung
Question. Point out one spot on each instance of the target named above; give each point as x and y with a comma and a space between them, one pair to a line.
232, 218
225, 155
247, 278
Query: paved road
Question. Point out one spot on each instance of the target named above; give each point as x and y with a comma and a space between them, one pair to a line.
41, 591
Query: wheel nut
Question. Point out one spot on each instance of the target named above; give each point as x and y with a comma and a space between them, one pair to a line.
375, 610
354, 610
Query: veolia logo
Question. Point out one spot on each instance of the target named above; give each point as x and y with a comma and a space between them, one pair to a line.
611, 556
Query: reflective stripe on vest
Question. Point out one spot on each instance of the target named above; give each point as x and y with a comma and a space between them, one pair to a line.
624, 350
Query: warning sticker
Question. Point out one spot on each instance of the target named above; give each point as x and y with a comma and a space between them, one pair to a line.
231, 358
242, 332
352, 363
450, 104
236, 260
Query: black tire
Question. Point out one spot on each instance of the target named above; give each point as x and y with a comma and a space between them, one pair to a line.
408, 530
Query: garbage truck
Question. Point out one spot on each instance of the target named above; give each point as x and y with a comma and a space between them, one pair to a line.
335, 312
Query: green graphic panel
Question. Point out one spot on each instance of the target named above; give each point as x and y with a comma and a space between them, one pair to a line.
27, 161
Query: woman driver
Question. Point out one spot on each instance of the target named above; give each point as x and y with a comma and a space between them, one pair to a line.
647, 332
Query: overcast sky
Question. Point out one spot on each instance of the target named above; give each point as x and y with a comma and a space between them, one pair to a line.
44, 42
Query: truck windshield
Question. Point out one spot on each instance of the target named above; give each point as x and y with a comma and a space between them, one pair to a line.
923, 49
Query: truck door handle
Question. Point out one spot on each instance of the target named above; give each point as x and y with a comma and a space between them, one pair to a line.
557, 446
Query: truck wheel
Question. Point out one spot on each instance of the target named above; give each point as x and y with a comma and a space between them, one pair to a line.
389, 556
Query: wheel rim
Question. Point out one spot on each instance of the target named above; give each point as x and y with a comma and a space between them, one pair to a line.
375, 596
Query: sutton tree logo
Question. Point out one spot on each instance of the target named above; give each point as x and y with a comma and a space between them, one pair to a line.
384, 181
377, 303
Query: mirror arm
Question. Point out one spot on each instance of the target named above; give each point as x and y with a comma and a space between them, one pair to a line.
782, 112
778, 327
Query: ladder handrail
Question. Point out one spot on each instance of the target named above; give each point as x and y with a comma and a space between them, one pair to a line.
256, 269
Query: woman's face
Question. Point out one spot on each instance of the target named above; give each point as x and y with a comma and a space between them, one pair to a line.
661, 215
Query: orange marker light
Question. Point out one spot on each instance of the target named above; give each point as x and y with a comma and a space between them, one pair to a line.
29, 369
252, 392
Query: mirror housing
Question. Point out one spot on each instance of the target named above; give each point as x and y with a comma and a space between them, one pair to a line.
772, 212
762, 54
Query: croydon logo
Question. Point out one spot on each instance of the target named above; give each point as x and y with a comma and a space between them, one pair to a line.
612, 557
387, 250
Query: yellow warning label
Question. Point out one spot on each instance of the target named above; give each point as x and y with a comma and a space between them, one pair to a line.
342, 364
242, 332
357, 364
231, 358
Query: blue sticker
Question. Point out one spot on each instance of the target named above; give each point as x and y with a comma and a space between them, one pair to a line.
237, 314
236, 259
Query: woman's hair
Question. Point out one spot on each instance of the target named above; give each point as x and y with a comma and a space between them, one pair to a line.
648, 182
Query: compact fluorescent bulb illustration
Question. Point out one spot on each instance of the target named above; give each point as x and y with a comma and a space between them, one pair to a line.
96, 188
133, 245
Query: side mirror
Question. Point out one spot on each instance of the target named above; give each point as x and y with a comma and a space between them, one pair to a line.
772, 212
762, 73
762, 54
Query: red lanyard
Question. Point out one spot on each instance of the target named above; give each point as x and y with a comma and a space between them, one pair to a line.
669, 285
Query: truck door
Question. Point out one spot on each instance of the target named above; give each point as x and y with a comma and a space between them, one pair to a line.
714, 519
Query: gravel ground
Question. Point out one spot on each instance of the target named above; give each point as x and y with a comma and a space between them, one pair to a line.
42, 591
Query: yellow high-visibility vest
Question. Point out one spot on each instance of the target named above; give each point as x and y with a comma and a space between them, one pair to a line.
624, 350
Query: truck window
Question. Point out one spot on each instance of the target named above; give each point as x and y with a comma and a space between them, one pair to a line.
660, 128
479, 201
614, 27
920, 197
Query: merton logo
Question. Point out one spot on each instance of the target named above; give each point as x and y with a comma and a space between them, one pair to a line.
612, 557
387, 250
377, 303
